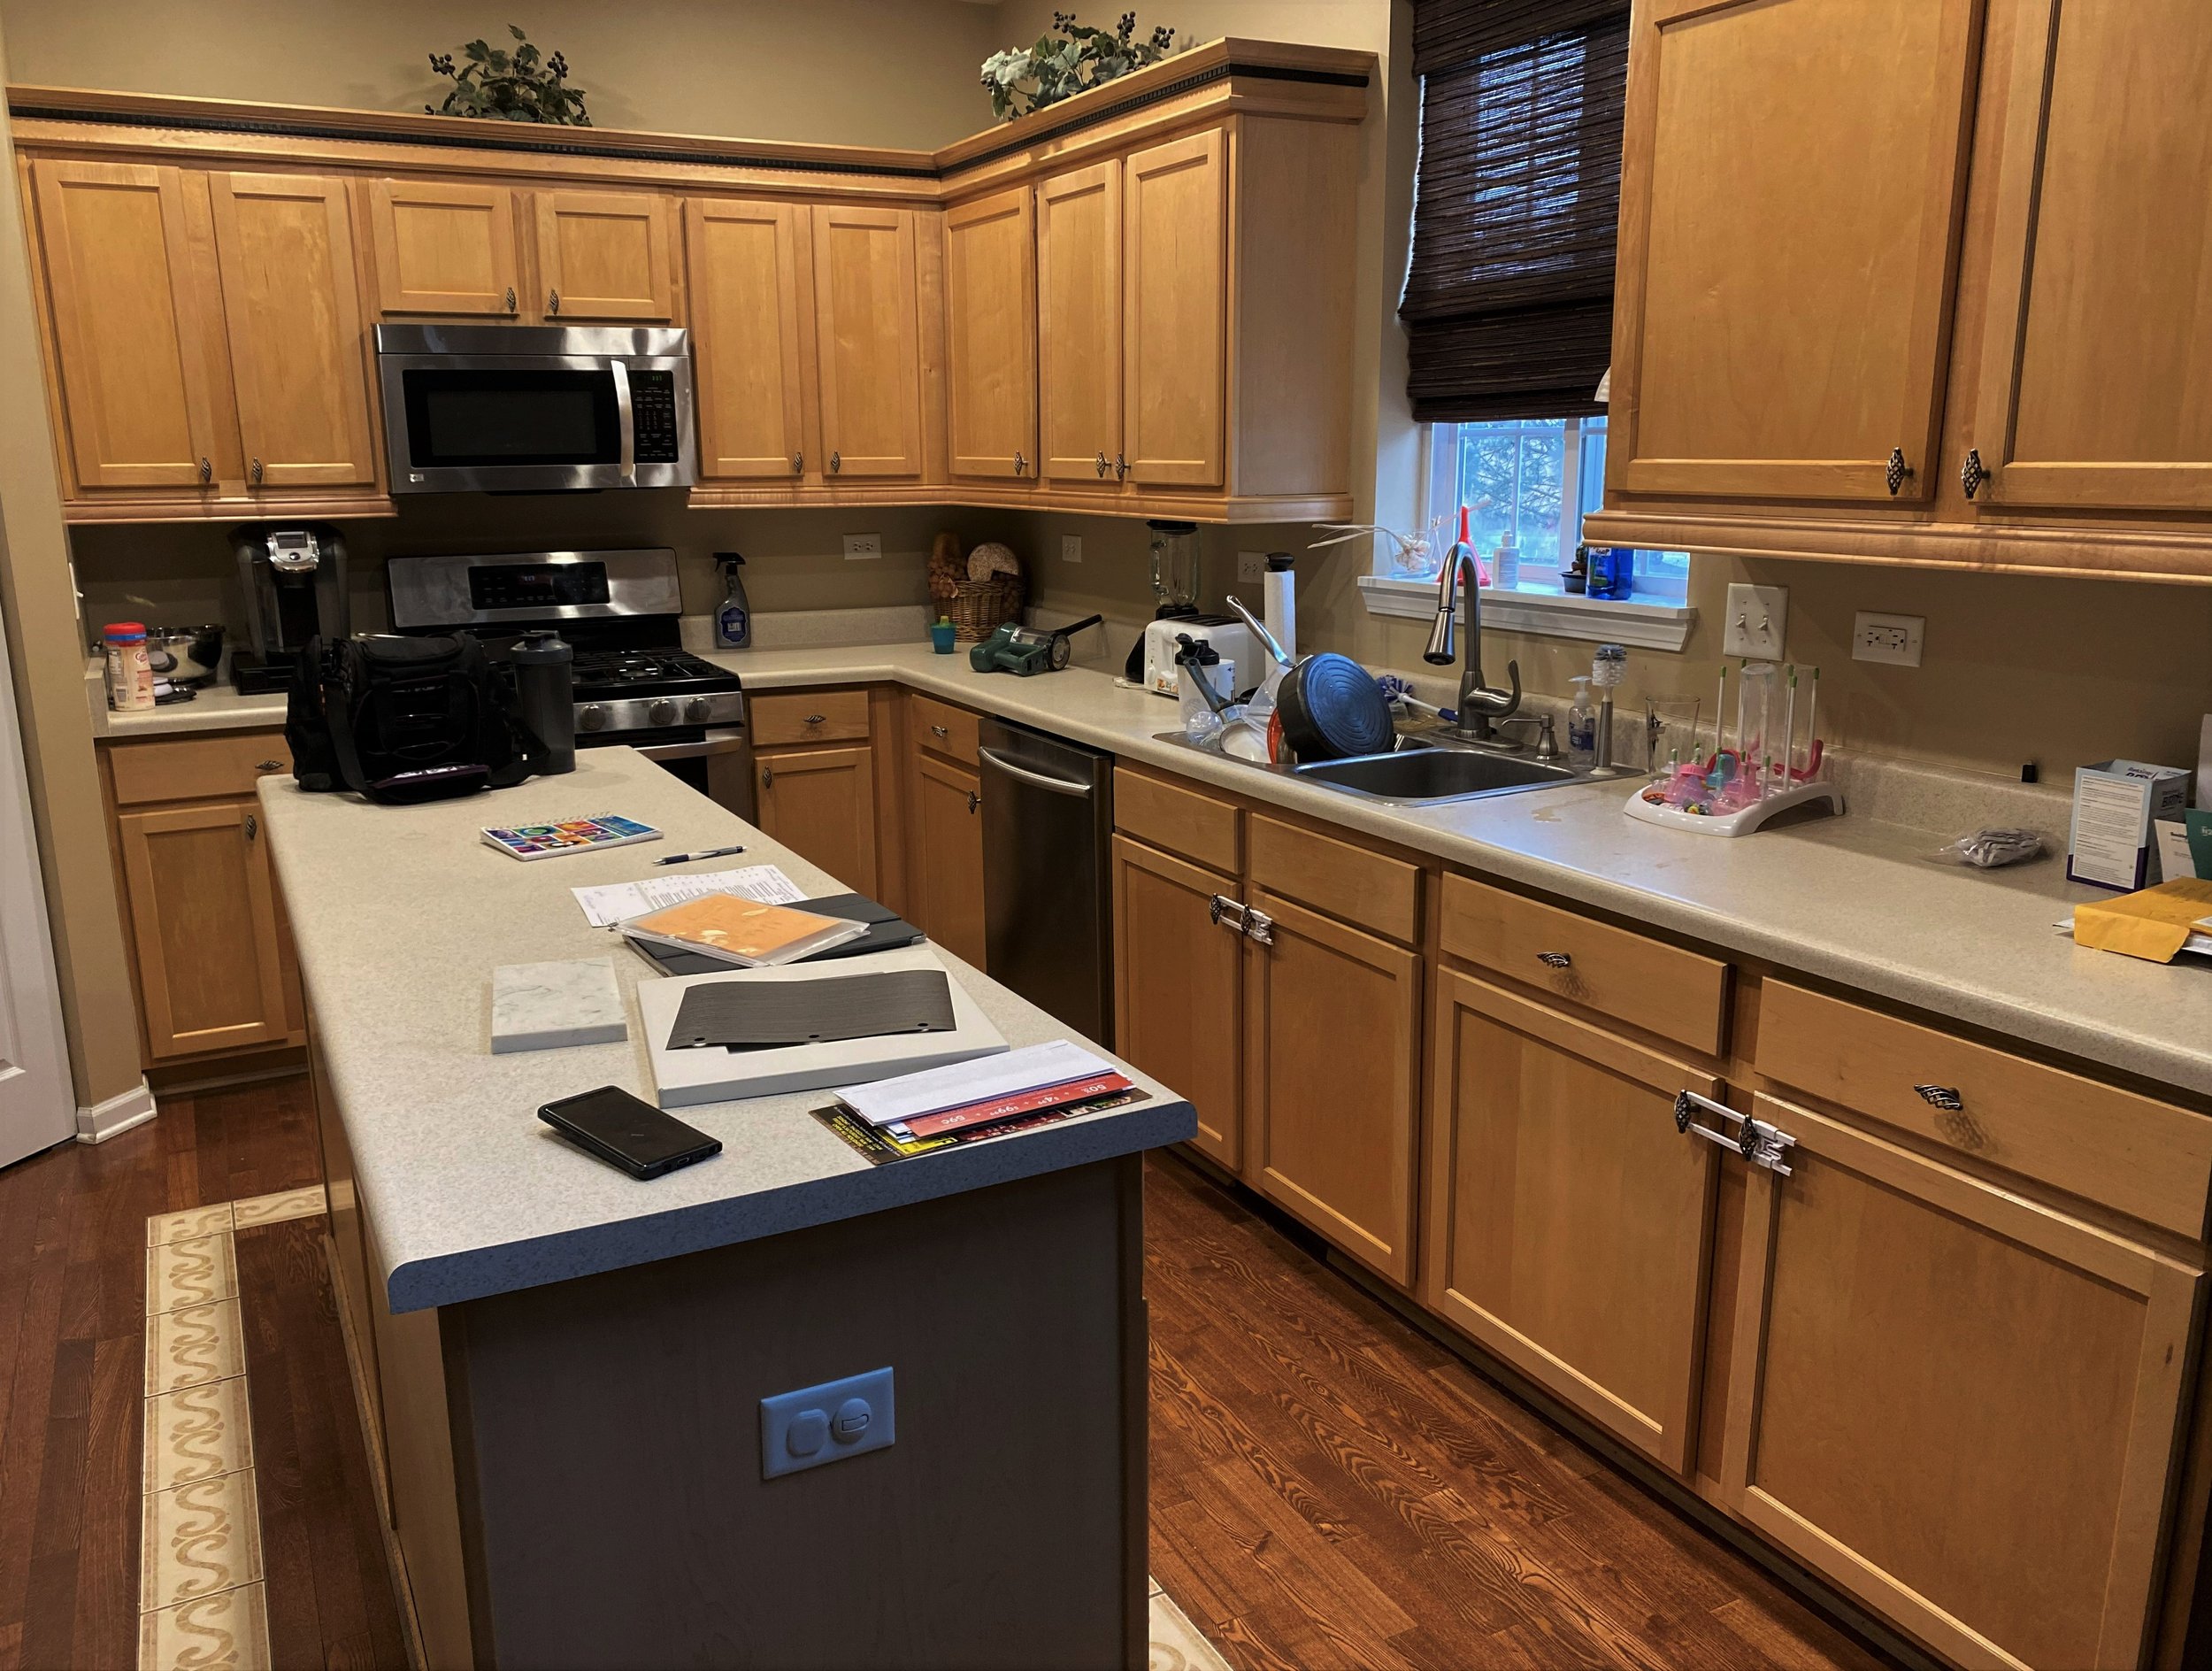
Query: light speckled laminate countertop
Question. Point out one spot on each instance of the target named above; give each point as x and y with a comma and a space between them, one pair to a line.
401, 915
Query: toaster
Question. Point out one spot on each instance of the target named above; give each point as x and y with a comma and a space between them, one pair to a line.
1232, 641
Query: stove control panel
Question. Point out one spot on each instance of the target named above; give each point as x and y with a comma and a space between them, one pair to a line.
611, 715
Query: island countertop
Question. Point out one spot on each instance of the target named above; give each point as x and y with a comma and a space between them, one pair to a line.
401, 913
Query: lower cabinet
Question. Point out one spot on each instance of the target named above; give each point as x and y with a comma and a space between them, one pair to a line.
1954, 1403
1179, 988
947, 856
1332, 1028
1569, 1223
821, 804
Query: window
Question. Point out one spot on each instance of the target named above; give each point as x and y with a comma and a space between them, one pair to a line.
1540, 477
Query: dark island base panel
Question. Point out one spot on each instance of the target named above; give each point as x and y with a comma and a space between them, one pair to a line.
595, 1498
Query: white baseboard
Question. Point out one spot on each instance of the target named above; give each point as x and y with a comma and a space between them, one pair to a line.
104, 1120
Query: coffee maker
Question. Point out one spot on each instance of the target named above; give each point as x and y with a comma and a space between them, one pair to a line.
295, 579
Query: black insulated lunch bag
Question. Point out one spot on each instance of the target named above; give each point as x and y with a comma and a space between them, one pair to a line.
400, 720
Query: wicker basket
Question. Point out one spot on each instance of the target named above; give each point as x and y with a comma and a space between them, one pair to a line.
979, 608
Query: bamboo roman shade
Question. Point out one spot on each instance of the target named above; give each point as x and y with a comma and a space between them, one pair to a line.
1509, 307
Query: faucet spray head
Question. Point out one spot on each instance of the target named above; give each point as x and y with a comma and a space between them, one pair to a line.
1439, 652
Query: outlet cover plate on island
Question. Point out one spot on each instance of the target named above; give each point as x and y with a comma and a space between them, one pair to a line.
1895, 639
858, 547
1757, 622
826, 1424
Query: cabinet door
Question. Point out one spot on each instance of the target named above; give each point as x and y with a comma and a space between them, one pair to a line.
1175, 297
605, 255
291, 303
1078, 323
1179, 988
444, 247
949, 855
1952, 1402
744, 261
133, 315
867, 331
203, 922
1569, 1223
2097, 360
991, 325
821, 804
1331, 1084
1791, 192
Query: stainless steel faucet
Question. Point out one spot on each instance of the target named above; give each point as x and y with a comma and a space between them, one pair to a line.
1480, 707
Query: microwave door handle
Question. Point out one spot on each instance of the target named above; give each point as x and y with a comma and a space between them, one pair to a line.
626, 418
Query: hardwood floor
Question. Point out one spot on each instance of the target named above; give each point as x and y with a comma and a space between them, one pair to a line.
1330, 1487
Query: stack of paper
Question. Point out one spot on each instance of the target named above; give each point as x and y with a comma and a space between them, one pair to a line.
893, 1119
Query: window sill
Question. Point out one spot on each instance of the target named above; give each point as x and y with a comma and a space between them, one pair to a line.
1639, 623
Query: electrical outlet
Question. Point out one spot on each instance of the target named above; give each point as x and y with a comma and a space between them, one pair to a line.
828, 1424
859, 547
1251, 568
1071, 547
1756, 618
1892, 638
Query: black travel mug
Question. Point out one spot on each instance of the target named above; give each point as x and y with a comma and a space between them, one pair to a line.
545, 680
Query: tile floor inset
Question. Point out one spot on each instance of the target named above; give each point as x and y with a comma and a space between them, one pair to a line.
185, 1348
278, 1208
225, 1632
177, 1227
197, 1434
1176, 1643
200, 1539
197, 1272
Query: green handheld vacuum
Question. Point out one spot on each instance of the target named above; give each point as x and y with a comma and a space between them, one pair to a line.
1026, 649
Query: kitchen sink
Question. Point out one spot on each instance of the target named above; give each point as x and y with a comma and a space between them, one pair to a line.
1421, 776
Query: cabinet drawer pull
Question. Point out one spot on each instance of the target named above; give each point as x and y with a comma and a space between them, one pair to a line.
940, 731
1943, 1096
1971, 475
510, 298
253, 827
1760, 1144
1898, 470
553, 302
268, 765
1555, 959
816, 718
1221, 909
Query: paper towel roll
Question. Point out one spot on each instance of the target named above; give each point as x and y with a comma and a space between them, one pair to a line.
1279, 606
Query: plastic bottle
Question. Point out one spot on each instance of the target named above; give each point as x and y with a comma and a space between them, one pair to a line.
1505, 567
130, 670
734, 621
1582, 723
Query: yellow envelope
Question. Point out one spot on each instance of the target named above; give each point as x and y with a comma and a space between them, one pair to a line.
2151, 922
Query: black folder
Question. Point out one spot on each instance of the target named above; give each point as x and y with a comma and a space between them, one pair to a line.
751, 1014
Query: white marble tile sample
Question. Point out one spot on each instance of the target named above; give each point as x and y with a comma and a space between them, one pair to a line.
544, 1006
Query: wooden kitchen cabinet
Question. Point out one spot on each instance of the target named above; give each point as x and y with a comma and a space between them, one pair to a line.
203, 928
947, 856
133, 312
1178, 987
750, 311
1330, 1127
1079, 325
285, 246
821, 804
1957, 1403
605, 256
867, 310
445, 247
1569, 1222
1174, 280
991, 335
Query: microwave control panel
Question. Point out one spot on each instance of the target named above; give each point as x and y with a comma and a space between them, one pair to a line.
653, 406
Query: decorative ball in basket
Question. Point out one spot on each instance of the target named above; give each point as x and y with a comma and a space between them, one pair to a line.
979, 593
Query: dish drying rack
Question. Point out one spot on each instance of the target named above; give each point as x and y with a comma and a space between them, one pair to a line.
1737, 791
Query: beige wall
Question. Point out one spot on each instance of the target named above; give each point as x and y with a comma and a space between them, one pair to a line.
41, 615
856, 72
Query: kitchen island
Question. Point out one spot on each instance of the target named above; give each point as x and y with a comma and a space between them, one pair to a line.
560, 1369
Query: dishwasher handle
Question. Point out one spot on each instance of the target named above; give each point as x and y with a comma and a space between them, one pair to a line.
1056, 785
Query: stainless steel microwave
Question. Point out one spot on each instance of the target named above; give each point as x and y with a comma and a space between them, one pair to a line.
535, 408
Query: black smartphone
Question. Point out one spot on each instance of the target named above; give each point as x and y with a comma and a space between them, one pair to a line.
633, 1135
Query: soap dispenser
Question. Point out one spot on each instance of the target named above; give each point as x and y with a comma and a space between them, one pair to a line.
734, 621
1582, 723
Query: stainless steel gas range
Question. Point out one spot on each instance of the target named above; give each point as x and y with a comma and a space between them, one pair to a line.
623, 611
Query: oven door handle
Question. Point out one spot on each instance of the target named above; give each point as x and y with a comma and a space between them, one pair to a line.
704, 749
625, 419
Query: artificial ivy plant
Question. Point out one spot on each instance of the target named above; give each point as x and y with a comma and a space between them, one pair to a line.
520, 86
1025, 79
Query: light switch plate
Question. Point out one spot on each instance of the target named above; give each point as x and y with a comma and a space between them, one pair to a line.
861, 546
1894, 639
1756, 619
826, 1424
1071, 547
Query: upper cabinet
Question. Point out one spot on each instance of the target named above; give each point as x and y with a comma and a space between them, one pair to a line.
749, 316
1173, 267
445, 247
1917, 281
606, 255
867, 331
1079, 325
991, 336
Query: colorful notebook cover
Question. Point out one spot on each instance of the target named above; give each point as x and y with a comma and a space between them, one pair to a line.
741, 930
570, 835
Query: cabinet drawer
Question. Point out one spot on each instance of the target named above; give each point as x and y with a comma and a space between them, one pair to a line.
1377, 892
1645, 982
943, 728
809, 716
2129, 1152
1180, 820
196, 768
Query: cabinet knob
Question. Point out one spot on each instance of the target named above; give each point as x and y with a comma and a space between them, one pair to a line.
1121, 467
837, 462
254, 471
1101, 464
798, 464
816, 718
268, 765
207, 473
974, 800
1897, 472
253, 827
940, 731
767, 774
1555, 959
1943, 1096
510, 298
1020, 464
1971, 475
552, 302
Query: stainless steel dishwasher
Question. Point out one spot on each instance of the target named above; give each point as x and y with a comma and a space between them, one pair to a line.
1048, 833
